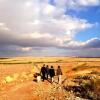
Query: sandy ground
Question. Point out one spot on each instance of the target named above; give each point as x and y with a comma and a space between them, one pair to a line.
31, 90
26, 88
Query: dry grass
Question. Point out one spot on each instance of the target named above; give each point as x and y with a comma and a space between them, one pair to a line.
21, 69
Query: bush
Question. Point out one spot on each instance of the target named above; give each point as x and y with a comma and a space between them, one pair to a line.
89, 87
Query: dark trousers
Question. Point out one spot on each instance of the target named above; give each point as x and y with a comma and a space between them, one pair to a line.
43, 77
47, 75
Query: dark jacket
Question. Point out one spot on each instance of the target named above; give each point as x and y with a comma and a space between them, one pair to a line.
43, 70
52, 72
47, 70
59, 71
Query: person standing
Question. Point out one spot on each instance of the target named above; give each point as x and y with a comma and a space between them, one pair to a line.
52, 73
59, 74
47, 71
43, 72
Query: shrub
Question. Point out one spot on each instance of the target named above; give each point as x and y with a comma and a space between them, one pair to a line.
89, 87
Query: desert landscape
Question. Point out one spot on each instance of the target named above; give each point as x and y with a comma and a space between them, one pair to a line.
61, 34
80, 79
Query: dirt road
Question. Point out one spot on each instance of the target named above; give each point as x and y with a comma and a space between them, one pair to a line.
32, 90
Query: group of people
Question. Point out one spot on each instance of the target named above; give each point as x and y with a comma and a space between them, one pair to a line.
50, 72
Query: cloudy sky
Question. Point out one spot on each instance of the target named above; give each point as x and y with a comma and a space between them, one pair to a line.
50, 28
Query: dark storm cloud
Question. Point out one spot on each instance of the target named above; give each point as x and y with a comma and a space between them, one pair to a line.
75, 45
93, 43
7, 38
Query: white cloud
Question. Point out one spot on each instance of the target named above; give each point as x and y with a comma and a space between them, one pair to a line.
26, 49
38, 35
28, 24
74, 3
28, 3
3, 27
48, 9
88, 2
93, 43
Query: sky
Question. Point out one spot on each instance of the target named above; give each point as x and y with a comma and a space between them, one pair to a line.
50, 28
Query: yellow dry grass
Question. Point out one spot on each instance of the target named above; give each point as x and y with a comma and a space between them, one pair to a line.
13, 65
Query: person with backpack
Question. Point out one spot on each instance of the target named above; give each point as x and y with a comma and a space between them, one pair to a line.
52, 74
43, 72
59, 74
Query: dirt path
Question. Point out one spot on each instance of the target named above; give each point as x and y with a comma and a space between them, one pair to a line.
32, 90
